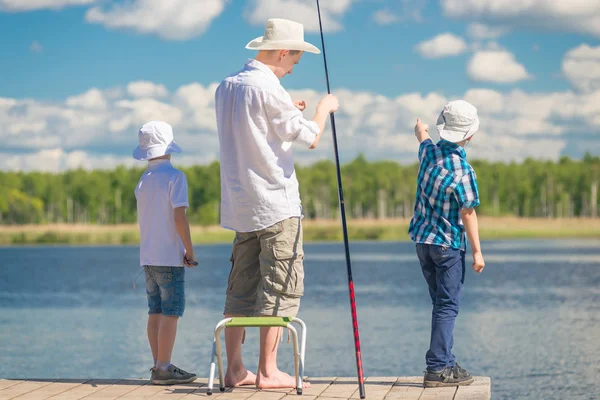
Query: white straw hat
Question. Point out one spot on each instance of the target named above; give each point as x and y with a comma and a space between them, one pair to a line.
282, 34
458, 121
156, 139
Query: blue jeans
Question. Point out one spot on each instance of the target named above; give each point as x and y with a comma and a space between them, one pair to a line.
165, 290
444, 270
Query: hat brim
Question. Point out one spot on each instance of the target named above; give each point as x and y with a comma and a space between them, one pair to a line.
454, 136
259, 44
141, 154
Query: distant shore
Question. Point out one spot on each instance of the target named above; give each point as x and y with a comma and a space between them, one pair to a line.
314, 231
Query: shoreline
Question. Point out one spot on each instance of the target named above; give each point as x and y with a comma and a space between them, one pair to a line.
490, 228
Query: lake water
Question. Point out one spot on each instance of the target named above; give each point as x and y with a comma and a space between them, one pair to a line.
530, 321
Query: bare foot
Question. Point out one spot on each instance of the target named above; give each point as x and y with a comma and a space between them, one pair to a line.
278, 380
240, 378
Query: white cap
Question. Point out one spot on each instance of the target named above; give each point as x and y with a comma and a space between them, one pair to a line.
458, 121
282, 34
156, 139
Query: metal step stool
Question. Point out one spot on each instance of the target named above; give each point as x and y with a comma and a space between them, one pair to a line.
248, 322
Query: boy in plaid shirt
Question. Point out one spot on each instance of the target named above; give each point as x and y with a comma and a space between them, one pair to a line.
447, 195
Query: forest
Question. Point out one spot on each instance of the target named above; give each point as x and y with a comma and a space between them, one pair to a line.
372, 189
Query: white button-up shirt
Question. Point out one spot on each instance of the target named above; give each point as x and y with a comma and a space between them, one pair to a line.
257, 123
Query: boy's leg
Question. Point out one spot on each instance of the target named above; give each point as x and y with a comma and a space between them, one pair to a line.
154, 311
279, 294
166, 341
240, 302
171, 281
450, 273
153, 328
429, 273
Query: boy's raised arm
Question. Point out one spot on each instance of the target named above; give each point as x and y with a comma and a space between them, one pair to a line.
183, 229
421, 131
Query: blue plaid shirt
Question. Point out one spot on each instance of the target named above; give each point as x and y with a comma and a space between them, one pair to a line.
446, 184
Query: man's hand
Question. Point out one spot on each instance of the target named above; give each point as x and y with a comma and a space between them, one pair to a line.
328, 104
421, 131
478, 263
190, 260
300, 105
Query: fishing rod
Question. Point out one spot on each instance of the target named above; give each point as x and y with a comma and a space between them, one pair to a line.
359, 368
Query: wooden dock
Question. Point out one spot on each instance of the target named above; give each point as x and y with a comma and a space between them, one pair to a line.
386, 388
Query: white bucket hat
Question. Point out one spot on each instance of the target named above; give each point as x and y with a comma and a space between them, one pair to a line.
282, 34
156, 139
458, 121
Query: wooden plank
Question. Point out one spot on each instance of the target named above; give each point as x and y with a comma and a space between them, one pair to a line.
143, 392
238, 393
177, 391
53, 389
117, 390
342, 387
6, 383
481, 389
406, 388
24, 388
317, 386
268, 395
86, 389
376, 388
444, 393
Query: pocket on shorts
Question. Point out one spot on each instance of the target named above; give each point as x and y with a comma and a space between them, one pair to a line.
284, 271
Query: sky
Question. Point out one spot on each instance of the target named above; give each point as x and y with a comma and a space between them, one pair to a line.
79, 77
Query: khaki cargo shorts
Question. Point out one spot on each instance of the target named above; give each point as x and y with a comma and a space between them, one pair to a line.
267, 274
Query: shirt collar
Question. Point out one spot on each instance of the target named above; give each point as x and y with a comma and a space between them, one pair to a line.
257, 65
156, 164
459, 149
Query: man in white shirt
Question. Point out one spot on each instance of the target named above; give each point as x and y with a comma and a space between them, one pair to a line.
257, 123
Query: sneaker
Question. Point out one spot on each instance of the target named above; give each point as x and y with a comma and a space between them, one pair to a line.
172, 376
460, 372
449, 376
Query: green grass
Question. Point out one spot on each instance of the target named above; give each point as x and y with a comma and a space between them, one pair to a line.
325, 231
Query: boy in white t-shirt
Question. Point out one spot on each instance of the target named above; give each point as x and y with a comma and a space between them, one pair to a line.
165, 245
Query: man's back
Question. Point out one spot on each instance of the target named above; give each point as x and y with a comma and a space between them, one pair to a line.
257, 122
445, 185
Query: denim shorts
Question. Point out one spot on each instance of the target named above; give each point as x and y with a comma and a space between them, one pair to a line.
165, 290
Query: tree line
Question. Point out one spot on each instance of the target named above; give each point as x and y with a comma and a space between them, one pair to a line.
374, 190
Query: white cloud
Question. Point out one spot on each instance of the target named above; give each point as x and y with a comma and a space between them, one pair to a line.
92, 99
146, 89
173, 19
581, 66
497, 66
580, 16
302, 11
36, 47
30, 5
385, 17
484, 32
443, 45
92, 129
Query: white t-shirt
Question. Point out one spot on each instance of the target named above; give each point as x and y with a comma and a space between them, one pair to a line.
257, 123
161, 189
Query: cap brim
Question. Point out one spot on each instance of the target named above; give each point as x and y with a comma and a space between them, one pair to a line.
157, 151
259, 44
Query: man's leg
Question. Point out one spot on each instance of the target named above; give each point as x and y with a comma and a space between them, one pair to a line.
240, 302
279, 294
